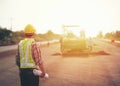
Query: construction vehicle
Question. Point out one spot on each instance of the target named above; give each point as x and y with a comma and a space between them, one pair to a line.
73, 39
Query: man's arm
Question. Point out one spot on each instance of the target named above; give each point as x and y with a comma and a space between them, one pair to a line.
36, 54
42, 69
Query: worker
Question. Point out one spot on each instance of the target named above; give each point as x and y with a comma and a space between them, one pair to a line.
29, 58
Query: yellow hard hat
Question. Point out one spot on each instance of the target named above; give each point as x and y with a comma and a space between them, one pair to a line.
29, 29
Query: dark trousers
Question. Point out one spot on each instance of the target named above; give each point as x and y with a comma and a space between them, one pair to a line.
27, 78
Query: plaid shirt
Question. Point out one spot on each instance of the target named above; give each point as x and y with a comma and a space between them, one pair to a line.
36, 54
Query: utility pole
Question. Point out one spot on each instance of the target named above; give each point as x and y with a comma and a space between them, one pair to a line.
11, 27
11, 19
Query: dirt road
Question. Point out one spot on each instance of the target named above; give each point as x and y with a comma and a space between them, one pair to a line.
100, 68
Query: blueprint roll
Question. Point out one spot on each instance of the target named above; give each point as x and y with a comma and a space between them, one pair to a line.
38, 73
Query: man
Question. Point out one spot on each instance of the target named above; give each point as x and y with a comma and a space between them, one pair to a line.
29, 58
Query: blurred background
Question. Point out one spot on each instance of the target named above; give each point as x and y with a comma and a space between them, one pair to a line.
98, 18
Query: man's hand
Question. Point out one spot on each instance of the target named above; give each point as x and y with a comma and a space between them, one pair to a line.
42, 75
42, 69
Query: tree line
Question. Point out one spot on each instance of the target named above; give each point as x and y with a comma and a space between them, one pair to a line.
113, 35
8, 37
110, 35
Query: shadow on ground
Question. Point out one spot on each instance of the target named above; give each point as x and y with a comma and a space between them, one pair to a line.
81, 54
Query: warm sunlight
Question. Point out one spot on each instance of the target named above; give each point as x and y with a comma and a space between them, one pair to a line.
91, 15
60, 42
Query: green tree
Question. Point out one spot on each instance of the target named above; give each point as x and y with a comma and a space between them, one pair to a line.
117, 35
4, 33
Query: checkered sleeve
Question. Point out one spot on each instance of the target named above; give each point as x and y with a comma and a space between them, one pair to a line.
36, 54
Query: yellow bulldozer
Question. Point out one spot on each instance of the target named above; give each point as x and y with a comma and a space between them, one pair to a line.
74, 39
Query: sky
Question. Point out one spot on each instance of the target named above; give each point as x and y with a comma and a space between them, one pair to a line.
92, 16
